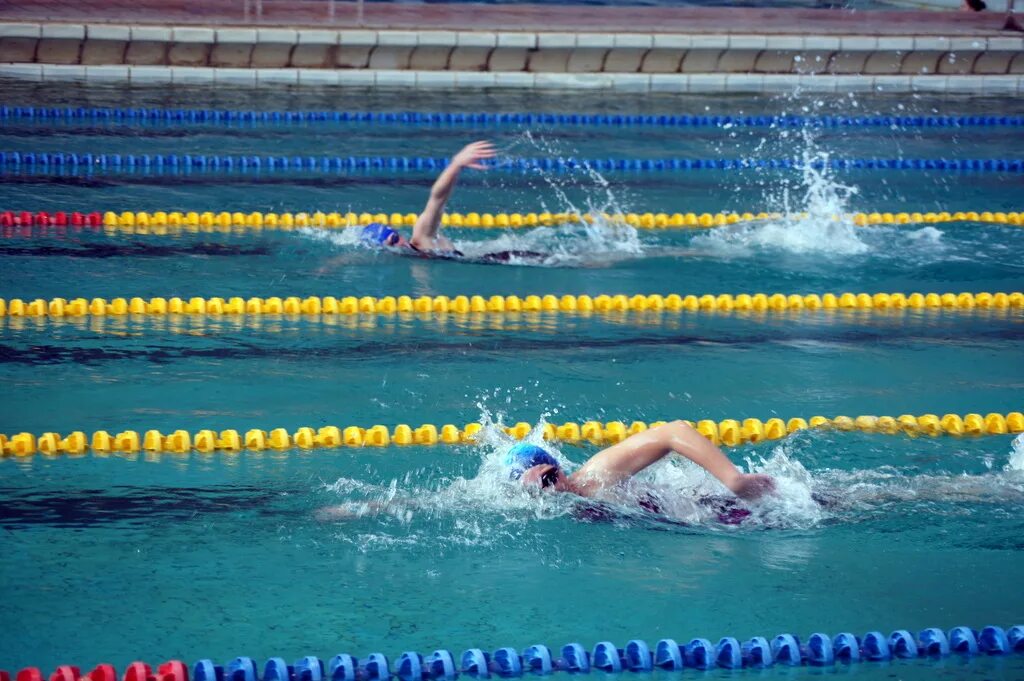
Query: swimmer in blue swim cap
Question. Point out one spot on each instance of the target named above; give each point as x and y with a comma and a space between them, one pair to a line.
535, 467
425, 237
426, 240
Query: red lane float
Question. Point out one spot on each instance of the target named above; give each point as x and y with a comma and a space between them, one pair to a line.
173, 670
24, 218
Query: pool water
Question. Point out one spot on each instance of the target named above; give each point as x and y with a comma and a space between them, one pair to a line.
115, 558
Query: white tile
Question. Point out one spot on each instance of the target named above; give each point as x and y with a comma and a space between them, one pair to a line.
22, 71
522, 40
108, 32
193, 35
929, 83
191, 74
318, 77
62, 72
666, 41
669, 82
748, 42
780, 82
435, 79
159, 34
634, 40
931, 43
817, 82
474, 78
892, 83
854, 83
20, 30
318, 37
395, 78
235, 76
475, 39
358, 38
823, 43
573, 81
397, 38
149, 74
858, 43
965, 85
895, 43
631, 82
236, 36
514, 79
1002, 43
356, 77
599, 41
278, 36
968, 44
1002, 85
706, 82
285, 76
438, 38
744, 82
707, 42
785, 42
106, 73
65, 31
556, 40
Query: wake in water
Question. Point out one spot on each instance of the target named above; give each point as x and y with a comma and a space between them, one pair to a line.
688, 499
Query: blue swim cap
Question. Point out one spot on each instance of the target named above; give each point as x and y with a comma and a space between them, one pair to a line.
376, 234
523, 455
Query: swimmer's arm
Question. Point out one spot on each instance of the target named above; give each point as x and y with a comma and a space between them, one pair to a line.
425, 230
639, 451
361, 509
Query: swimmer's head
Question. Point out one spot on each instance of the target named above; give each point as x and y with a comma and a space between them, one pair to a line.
533, 465
377, 234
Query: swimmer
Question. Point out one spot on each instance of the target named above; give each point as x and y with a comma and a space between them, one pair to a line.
426, 240
537, 469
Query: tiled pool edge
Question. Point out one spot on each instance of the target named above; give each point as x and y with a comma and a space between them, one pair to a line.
618, 82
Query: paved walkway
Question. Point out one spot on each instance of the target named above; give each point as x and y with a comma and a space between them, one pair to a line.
538, 17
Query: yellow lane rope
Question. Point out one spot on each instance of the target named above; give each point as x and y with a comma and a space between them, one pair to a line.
168, 222
496, 304
730, 432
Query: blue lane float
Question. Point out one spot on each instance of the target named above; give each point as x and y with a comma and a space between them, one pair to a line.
819, 650
139, 116
75, 163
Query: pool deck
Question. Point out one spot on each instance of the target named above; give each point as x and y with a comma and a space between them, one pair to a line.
537, 17
628, 49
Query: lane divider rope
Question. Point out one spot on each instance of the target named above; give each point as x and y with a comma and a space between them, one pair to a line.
729, 432
130, 115
258, 220
819, 650
497, 304
161, 163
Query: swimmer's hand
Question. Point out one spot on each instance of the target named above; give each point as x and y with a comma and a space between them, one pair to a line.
473, 154
752, 486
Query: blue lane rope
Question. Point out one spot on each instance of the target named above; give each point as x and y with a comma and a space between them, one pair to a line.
229, 117
50, 162
819, 650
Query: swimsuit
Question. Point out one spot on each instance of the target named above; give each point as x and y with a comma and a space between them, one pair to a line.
727, 511
497, 256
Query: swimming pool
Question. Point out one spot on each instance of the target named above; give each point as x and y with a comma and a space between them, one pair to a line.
118, 557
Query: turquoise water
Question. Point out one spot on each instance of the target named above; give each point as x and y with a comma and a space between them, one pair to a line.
156, 557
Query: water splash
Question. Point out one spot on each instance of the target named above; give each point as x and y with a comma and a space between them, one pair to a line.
1016, 463
485, 507
812, 208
